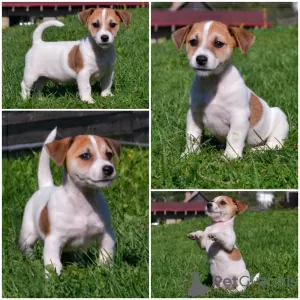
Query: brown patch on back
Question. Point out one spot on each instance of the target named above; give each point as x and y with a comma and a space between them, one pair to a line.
256, 110
75, 60
235, 254
44, 222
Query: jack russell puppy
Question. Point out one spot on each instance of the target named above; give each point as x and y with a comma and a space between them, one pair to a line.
71, 216
220, 99
93, 57
227, 267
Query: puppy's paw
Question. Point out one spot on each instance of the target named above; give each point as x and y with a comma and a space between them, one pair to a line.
213, 237
229, 155
89, 100
195, 235
106, 93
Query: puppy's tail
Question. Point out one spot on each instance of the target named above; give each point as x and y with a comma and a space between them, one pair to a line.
44, 171
255, 278
37, 34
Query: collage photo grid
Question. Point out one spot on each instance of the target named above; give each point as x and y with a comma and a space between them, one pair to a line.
149, 149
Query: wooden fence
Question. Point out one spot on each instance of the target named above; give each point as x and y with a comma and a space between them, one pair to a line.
21, 130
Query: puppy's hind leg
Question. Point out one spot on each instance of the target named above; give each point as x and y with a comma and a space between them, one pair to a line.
28, 81
28, 235
279, 133
39, 85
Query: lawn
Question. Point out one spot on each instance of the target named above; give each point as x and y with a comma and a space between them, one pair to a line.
268, 242
131, 81
270, 69
80, 278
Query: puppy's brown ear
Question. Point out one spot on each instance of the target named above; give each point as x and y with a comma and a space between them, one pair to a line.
180, 35
84, 15
241, 206
115, 147
244, 39
124, 15
57, 150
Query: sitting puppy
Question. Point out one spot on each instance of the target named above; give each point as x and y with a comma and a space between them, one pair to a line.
71, 216
93, 57
227, 267
219, 98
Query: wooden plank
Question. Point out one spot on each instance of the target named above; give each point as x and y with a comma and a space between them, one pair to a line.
162, 18
34, 126
66, 4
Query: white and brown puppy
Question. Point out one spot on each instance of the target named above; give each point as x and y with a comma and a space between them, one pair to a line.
220, 99
93, 57
71, 216
227, 266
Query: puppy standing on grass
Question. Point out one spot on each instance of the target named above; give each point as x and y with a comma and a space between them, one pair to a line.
219, 98
71, 216
227, 267
93, 57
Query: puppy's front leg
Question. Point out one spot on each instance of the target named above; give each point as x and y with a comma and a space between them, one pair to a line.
198, 236
227, 241
194, 131
52, 254
106, 83
237, 134
85, 90
107, 246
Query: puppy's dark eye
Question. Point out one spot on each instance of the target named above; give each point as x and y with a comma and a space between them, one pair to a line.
218, 44
193, 42
113, 25
223, 202
86, 156
96, 24
109, 155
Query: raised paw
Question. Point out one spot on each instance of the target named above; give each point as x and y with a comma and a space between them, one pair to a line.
213, 237
195, 235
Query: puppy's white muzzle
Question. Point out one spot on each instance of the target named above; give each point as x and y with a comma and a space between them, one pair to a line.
205, 63
104, 39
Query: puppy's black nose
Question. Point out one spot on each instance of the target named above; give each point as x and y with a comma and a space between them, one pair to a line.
209, 205
108, 170
201, 60
104, 38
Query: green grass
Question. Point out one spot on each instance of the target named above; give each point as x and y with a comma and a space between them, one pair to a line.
131, 81
270, 69
268, 243
82, 278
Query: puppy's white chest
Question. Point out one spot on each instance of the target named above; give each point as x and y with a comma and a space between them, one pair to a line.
101, 66
83, 230
217, 120
212, 112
